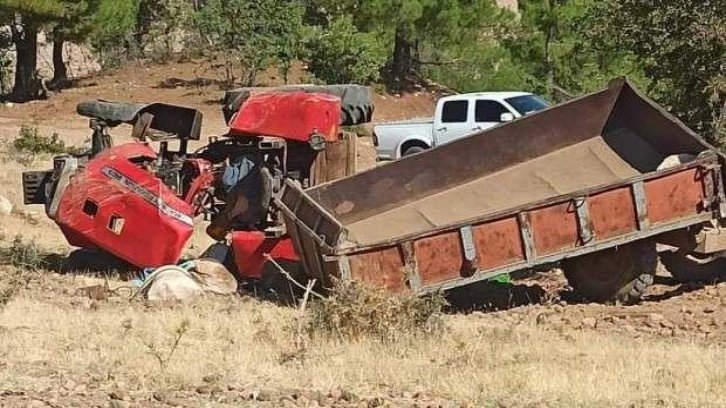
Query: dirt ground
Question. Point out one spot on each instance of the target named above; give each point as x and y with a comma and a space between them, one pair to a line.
530, 344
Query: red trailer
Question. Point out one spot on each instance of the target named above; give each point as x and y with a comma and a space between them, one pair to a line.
594, 183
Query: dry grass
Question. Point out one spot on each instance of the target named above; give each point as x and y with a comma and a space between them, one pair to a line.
54, 340
354, 311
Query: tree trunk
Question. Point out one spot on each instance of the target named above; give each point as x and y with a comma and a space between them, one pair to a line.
402, 55
60, 71
25, 39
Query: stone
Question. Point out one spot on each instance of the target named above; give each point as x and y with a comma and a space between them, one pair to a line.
349, 396
589, 322
655, 318
119, 395
6, 207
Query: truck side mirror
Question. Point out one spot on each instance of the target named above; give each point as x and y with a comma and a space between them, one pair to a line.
506, 117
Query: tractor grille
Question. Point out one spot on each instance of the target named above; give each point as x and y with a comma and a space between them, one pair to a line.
34, 183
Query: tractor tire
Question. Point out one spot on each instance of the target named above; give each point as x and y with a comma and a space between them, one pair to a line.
619, 274
684, 267
412, 150
356, 100
276, 287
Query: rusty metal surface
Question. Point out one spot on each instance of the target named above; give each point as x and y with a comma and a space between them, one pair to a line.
499, 243
612, 213
554, 228
440, 257
383, 267
674, 196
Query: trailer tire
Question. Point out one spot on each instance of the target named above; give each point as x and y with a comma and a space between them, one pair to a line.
685, 269
619, 274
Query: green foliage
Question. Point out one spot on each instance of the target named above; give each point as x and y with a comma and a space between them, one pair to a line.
340, 54
258, 34
475, 67
5, 63
551, 46
30, 143
168, 24
38, 10
24, 255
74, 22
682, 47
414, 32
114, 24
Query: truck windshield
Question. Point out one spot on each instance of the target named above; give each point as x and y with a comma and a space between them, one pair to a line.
526, 104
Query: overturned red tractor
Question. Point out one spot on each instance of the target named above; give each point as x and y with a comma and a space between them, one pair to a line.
140, 205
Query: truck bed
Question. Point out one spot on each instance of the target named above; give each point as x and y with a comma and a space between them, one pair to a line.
573, 179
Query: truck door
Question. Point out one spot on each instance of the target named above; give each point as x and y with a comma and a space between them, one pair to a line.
488, 113
455, 121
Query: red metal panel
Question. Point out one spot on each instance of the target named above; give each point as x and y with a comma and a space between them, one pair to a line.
612, 213
554, 228
675, 196
290, 115
115, 205
440, 258
498, 243
250, 247
380, 267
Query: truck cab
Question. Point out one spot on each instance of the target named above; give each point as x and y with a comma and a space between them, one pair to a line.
455, 117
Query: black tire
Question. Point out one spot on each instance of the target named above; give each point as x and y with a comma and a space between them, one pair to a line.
619, 274
95, 261
356, 100
683, 268
412, 150
277, 287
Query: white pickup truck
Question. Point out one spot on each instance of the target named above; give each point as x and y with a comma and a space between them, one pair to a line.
456, 116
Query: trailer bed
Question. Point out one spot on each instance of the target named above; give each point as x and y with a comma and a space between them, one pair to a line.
548, 176
567, 181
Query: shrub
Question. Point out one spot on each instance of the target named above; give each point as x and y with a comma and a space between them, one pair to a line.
341, 54
24, 255
30, 143
354, 311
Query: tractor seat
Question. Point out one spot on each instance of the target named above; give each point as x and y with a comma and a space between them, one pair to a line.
113, 113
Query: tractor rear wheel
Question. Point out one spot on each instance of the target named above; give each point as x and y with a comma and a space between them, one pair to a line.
356, 105
619, 274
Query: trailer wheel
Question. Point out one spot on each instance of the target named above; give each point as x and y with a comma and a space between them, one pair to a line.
619, 274
689, 267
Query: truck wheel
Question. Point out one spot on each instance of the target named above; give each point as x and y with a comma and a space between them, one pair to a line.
617, 274
689, 267
412, 150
